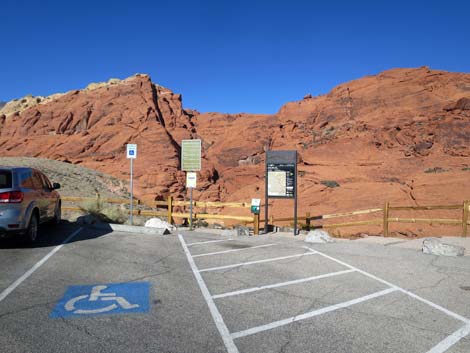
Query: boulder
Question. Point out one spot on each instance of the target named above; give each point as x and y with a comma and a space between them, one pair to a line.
242, 231
435, 247
158, 223
229, 233
318, 237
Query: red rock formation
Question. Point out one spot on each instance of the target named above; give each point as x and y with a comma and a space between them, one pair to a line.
401, 136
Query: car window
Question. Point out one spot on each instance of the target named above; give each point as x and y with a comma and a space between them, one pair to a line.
26, 180
37, 181
5, 179
46, 181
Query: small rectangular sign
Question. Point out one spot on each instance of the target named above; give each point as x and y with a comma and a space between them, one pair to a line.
191, 155
131, 151
191, 180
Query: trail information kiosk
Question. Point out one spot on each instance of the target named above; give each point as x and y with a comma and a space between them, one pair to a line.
281, 180
190, 163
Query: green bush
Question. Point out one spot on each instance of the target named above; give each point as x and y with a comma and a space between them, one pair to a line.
329, 183
104, 212
435, 170
93, 207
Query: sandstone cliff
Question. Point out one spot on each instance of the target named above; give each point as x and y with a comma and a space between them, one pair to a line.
401, 136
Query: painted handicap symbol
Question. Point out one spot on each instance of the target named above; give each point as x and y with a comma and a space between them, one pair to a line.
95, 295
103, 299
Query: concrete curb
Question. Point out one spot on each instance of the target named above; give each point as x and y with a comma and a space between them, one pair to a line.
129, 229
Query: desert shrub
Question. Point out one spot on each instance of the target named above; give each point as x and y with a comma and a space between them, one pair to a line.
435, 170
103, 211
93, 207
329, 183
200, 223
115, 214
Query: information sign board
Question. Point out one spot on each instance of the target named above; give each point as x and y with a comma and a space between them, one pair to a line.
281, 180
281, 177
191, 155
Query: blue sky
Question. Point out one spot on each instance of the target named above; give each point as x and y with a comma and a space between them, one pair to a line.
225, 56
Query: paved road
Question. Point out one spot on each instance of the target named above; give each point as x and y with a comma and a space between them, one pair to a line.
214, 294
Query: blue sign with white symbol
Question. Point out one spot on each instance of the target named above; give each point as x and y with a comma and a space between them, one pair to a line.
98, 299
131, 149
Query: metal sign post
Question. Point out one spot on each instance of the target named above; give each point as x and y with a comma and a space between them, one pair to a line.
191, 162
281, 180
191, 184
131, 150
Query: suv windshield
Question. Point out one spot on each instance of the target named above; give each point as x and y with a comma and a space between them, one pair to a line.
5, 179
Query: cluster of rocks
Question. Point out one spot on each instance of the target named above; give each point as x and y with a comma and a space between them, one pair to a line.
434, 246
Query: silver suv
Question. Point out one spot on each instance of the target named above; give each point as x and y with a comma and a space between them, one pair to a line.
27, 198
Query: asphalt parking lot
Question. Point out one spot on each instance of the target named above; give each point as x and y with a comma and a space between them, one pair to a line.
83, 290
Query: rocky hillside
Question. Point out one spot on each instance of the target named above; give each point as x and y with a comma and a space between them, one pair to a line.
401, 136
75, 180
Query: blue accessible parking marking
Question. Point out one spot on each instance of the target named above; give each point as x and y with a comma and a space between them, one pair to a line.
99, 299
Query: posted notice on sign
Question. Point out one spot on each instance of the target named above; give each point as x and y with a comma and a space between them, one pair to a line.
191, 180
191, 155
131, 151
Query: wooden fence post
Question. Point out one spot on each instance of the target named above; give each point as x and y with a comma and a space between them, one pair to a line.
385, 223
170, 209
465, 218
307, 220
256, 224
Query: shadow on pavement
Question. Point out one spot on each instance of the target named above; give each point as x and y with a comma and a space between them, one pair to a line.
53, 235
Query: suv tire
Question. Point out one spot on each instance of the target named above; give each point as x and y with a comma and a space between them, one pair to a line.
57, 214
32, 231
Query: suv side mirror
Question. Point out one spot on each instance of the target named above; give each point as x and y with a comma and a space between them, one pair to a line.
55, 186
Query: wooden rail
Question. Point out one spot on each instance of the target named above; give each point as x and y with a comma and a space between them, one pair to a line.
170, 204
105, 200
387, 219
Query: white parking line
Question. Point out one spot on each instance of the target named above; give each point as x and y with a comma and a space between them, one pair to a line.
207, 242
310, 314
449, 341
20, 280
256, 262
276, 285
219, 321
434, 305
233, 250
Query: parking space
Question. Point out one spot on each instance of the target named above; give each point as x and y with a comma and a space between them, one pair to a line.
16, 258
292, 298
176, 311
95, 291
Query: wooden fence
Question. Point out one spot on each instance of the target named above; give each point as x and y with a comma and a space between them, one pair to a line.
170, 205
386, 219
254, 219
